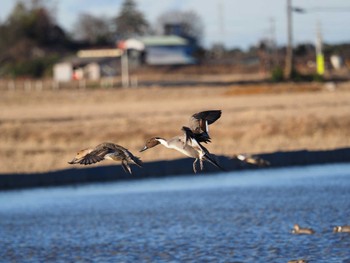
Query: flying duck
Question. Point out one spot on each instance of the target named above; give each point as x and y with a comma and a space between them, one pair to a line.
190, 142
107, 151
252, 159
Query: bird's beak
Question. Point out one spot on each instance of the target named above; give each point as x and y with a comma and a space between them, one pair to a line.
74, 161
144, 148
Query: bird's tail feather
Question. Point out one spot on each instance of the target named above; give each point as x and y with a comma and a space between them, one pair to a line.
126, 167
210, 159
136, 160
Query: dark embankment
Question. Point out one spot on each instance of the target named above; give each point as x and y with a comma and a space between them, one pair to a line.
166, 168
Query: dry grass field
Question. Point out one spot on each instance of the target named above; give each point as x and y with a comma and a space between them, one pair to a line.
41, 130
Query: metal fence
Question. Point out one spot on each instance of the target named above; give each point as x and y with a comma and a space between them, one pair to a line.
50, 84
145, 80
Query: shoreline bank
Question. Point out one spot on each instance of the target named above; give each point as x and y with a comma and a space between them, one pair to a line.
158, 169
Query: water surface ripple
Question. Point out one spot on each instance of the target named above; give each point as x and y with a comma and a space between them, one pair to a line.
230, 217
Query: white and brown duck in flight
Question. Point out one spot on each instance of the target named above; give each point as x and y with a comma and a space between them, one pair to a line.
107, 151
190, 142
251, 159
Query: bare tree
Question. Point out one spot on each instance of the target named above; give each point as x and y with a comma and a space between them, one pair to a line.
92, 29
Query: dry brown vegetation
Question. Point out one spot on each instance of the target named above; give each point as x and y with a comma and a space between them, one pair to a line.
41, 131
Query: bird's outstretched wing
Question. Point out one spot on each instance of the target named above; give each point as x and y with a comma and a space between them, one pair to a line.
97, 155
200, 121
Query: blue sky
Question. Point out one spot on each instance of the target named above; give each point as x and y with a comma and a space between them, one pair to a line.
242, 24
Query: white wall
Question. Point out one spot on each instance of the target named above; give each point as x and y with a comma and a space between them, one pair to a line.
63, 71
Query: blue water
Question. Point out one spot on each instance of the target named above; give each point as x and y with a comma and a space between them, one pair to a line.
230, 217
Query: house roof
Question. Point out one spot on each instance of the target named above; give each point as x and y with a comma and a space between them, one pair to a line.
78, 62
164, 41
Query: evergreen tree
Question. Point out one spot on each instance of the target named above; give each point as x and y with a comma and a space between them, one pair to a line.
28, 38
130, 21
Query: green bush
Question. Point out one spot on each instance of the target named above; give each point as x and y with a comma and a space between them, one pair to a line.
298, 77
35, 68
318, 78
277, 74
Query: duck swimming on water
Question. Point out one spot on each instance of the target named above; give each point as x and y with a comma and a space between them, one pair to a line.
341, 229
107, 151
190, 142
298, 230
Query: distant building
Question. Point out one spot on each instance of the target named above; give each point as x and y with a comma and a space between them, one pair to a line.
167, 50
163, 50
63, 72
175, 29
150, 50
179, 29
88, 64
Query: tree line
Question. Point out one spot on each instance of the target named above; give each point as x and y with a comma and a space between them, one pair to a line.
31, 40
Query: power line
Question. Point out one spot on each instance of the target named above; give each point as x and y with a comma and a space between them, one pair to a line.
327, 9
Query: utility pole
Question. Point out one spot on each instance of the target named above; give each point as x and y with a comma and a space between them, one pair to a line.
289, 54
125, 68
319, 52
